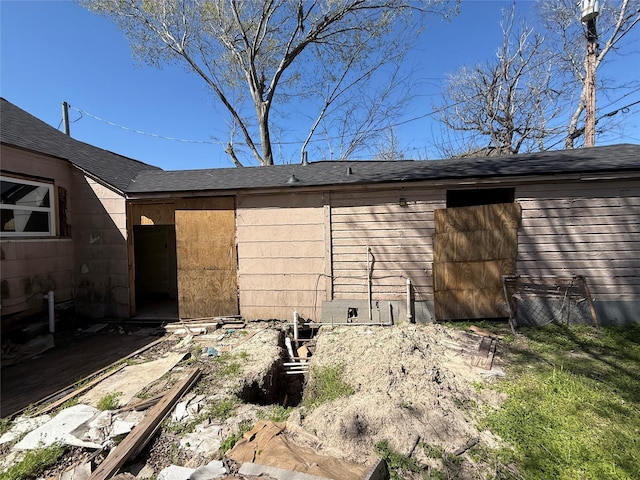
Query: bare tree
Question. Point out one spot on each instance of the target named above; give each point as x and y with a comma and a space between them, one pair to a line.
567, 36
258, 54
389, 148
504, 106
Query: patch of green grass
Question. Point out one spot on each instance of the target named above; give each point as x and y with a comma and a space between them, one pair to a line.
432, 451
275, 413
109, 401
227, 365
5, 425
69, 403
222, 409
195, 355
573, 406
229, 442
398, 464
34, 463
325, 384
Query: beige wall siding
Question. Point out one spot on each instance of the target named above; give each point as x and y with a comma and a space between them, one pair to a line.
400, 238
281, 255
100, 247
583, 229
30, 267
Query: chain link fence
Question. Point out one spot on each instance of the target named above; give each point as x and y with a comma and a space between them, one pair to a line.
538, 301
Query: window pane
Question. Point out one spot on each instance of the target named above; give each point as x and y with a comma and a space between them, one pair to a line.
14, 193
24, 221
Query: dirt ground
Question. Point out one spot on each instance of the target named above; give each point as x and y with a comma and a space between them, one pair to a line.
413, 384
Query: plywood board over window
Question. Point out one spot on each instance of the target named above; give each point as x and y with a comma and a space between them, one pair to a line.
473, 247
207, 276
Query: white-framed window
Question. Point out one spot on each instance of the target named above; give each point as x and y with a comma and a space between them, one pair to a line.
26, 208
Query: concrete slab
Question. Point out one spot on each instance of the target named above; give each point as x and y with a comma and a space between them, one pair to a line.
106, 425
214, 469
174, 472
79, 472
59, 429
277, 473
131, 379
204, 440
211, 470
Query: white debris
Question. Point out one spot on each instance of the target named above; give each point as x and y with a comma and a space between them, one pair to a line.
59, 429
22, 425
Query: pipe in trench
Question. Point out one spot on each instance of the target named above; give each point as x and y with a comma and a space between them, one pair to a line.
409, 316
369, 283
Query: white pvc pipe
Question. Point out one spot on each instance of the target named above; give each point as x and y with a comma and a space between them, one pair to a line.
287, 342
369, 283
295, 326
52, 317
409, 316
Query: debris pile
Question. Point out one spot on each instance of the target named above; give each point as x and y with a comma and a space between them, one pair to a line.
177, 409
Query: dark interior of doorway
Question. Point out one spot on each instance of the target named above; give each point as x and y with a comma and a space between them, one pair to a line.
480, 196
156, 278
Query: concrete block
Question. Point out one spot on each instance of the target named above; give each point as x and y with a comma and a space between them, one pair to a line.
174, 472
215, 469
274, 472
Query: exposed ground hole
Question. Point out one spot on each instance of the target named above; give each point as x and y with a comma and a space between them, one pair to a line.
277, 387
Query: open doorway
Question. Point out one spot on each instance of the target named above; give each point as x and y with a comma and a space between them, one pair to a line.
156, 283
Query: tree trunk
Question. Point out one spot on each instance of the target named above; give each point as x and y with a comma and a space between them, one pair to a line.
265, 138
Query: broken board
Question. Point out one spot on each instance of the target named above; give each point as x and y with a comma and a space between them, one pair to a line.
486, 351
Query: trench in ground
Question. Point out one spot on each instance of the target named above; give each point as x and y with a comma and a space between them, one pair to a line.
277, 386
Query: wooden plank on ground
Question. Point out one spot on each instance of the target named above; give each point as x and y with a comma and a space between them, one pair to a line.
141, 434
78, 391
485, 354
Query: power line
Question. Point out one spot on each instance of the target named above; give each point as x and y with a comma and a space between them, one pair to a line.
624, 109
141, 132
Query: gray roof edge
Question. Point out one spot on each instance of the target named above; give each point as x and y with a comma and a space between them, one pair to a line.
602, 159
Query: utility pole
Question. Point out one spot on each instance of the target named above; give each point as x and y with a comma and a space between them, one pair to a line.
65, 118
590, 10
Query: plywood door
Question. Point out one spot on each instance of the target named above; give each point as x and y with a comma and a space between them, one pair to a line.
207, 280
472, 248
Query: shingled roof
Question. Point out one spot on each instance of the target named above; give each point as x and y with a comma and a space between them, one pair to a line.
21, 129
597, 160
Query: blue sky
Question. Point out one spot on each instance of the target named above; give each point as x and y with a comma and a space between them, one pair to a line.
55, 51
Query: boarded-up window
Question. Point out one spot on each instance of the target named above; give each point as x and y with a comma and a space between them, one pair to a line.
472, 248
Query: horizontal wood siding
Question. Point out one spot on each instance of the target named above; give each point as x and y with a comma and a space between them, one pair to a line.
400, 238
583, 229
281, 255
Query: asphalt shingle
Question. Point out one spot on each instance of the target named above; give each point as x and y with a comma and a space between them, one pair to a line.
597, 160
21, 129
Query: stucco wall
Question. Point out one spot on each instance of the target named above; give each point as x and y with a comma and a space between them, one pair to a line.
100, 247
31, 266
